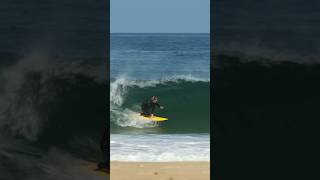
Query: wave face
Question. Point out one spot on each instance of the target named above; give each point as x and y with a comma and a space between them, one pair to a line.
186, 100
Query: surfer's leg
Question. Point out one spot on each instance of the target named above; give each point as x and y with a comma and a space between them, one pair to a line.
145, 113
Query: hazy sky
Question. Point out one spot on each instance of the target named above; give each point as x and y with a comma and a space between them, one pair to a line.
160, 16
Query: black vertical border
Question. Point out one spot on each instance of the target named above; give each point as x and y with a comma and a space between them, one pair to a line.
107, 59
212, 126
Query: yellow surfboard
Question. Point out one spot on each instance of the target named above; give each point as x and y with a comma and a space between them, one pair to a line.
154, 118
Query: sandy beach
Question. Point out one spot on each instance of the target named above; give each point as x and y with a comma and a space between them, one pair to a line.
160, 170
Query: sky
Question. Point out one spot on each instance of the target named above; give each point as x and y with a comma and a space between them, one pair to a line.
160, 16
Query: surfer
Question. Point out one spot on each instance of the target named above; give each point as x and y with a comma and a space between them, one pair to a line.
148, 107
104, 148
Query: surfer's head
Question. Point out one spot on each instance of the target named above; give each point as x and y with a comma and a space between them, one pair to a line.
154, 99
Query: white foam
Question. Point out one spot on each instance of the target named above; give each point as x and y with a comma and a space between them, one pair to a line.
129, 118
127, 82
124, 117
160, 148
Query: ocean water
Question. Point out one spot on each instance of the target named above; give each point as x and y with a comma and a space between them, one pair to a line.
174, 67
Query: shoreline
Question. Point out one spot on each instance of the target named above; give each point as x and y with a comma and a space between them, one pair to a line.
186, 170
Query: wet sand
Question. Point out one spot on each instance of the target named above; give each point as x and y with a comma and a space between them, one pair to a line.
160, 171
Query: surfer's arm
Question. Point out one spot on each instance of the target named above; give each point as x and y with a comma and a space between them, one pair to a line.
159, 106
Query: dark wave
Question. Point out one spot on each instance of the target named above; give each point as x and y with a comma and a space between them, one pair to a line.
57, 103
265, 105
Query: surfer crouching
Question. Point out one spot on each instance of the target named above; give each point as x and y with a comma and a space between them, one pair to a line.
148, 107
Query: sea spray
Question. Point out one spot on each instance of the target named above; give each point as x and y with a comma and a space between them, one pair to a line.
124, 117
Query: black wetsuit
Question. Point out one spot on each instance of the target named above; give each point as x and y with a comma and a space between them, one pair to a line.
148, 107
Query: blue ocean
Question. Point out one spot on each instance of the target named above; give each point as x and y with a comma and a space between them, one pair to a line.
174, 67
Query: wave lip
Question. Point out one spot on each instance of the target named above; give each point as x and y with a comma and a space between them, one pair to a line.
124, 81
